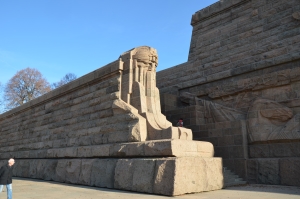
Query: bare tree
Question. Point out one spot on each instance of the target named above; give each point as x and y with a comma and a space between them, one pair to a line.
66, 79
24, 86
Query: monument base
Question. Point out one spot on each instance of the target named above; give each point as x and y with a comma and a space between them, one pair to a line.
165, 176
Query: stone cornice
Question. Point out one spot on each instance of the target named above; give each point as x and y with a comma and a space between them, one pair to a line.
215, 9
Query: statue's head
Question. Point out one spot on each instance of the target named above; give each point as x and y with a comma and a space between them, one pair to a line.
146, 57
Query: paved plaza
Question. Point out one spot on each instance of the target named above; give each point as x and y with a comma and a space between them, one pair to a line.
36, 189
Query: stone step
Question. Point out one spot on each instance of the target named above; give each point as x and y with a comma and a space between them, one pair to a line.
230, 175
235, 183
231, 179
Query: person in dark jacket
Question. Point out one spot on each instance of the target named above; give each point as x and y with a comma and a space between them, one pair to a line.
180, 122
6, 177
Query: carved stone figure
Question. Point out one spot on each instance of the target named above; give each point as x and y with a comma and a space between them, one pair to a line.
139, 90
268, 120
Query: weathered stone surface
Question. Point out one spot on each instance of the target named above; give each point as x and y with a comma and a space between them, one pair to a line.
103, 172
274, 122
60, 170
296, 15
49, 169
204, 174
259, 151
73, 168
252, 171
24, 169
33, 168
289, 171
164, 177
142, 179
85, 171
178, 148
123, 174
255, 57
268, 171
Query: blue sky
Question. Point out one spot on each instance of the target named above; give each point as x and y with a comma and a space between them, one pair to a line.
78, 36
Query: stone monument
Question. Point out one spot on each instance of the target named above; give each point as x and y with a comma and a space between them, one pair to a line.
106, 129
240, 87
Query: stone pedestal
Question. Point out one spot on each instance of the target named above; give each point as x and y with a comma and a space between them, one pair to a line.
166, 176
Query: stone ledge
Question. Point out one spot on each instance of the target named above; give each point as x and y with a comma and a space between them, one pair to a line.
156, 148
214, 9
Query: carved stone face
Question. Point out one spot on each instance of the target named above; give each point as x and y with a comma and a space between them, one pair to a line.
146, 58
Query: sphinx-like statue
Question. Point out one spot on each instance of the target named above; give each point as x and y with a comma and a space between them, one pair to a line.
140, 91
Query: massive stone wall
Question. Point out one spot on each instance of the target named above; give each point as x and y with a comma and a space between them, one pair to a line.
106, 129
244, 56
79, 114
232, 38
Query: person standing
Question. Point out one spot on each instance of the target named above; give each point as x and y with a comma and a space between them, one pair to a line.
180, 122
6, 177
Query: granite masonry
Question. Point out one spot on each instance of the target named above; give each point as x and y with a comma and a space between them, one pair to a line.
106, 129
240, 88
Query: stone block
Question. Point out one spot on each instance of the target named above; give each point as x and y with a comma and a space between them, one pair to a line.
142, 179
215, 133
60, 171
178, 148
85, 171
200, 134
289, 171
118, 150
65, 152
110, 172
284, 149
164, 176
100, 150
73, 168
84, 151
259, 151
226, 141
171, 176
32, 173
97, 139
158, 147
49, 169
124, 174
236, 151
199, 179
238, 140
103, 173
135, 149
84, 141
24, 168
268, 171
252, 171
